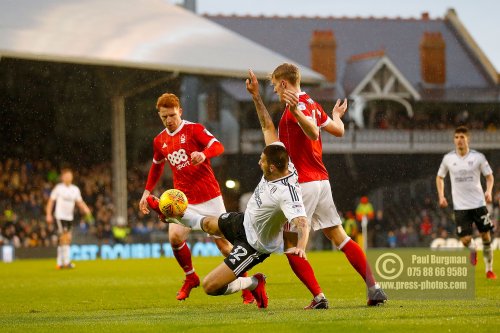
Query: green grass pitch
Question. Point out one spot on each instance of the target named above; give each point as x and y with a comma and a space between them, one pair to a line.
139, 296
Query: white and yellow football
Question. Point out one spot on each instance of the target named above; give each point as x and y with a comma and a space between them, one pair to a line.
173, 203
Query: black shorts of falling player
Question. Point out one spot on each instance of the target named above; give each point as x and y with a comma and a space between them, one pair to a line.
243, 256
465, 218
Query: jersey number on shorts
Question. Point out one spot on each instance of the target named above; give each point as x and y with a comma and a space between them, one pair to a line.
239, 251
486, 219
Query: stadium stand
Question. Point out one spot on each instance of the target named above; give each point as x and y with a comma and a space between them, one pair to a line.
407, 213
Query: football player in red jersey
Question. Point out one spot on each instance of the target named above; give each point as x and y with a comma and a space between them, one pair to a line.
299, 129
187, 147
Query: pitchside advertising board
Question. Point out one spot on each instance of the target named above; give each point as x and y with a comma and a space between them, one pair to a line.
158, 250
109, 251
138, 251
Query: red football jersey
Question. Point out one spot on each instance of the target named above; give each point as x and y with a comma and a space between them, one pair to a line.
197, 182
305, 153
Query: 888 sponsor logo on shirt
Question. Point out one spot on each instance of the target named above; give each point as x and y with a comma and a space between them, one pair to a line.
178, 159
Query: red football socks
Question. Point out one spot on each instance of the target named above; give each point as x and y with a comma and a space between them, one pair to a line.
183, 255
357, 258
304, 272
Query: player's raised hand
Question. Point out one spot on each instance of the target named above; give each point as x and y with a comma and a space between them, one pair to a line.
443, 203
197, 157
252, 83
340, 108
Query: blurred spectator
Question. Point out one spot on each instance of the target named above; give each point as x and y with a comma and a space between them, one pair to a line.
364, 208
365, 214
391, 239
120, 233
426, 229
350, 226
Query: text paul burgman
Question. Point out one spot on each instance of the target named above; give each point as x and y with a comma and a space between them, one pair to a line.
434, 259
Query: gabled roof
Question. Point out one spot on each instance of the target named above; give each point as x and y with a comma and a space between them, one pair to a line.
399, 38
377, 75
356, 71
150, 34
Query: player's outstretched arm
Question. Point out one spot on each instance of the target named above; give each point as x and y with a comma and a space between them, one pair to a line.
48, 211
84, 208
266, 123
336, 126
489, 188
440, 189
143, 204
153, 176
302, 235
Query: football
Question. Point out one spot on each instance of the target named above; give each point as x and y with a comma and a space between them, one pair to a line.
173, 203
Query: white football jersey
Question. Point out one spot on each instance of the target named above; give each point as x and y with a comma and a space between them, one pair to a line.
465, 175
65, 197
271, 205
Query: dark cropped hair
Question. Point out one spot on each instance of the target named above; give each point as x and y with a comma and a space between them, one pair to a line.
277, 155
462, 129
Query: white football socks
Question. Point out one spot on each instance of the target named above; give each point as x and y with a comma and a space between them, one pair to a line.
65, 255
472, 245
374, 287
241, 283
319, 297
192, 220
487, 256
59, 255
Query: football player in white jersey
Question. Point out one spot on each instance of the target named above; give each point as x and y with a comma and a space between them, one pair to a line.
258, 232
469, 201
65, 196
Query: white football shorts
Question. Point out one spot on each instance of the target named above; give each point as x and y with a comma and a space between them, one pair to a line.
320, 208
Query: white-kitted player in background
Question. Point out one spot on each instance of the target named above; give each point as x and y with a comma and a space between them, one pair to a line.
65, 196
469, 201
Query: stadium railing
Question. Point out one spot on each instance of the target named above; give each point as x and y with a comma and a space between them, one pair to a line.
383, 141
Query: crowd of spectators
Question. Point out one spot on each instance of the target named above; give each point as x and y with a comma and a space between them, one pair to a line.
385, 118
26, 185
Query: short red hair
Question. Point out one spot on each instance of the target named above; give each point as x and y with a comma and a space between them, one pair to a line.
168, 100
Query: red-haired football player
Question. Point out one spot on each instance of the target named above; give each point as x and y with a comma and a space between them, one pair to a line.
187, 148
